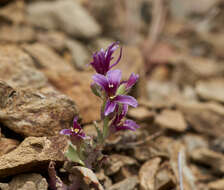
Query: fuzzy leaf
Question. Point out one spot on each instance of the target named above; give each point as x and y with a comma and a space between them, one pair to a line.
121, 89
96, 89
73, 155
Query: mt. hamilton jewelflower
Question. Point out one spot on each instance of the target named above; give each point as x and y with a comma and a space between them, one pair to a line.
75, 131
131, 81
119, 123
102, 59
110, 85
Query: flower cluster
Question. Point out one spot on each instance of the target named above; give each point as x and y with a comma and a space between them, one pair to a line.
109, 86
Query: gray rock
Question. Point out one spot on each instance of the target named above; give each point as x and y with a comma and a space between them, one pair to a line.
67, 15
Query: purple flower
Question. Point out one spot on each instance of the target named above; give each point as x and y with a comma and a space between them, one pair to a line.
119, 123
110, 83
131, 81
75, 131
102, 59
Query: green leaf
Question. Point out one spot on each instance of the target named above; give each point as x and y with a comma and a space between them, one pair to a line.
121, 89
96, 90
73, 155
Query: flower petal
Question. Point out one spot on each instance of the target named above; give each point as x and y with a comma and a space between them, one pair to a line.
131, 123
110, 107
124, 99
83, 135
128, 124
114, 77
101, 80
132, 80
66, 132
124, 110
118, 59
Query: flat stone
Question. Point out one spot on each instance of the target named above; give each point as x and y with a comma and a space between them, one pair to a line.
16, 34
187, 72
33, 154
116, 162
162, 91
210, 158
87, 176
54, 39
67, 15
127, 184
216, 185
18, 69
7, 145
171, 119
4, 186
211, 89
31, 113
141, 114
207, 118
14, 12
148, 172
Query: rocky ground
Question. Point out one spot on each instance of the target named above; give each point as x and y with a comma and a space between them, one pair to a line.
175, 46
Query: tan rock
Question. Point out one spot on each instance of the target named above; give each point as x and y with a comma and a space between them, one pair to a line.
116, 162
147, 173
216, 185
104, 180
193, 141
18, 69
211, 89
28, 182
53, 39
171, 119
207, 118
4, 186
7, 145
178, 159
127, 184
67, 80
209, 157
87, 176
165, 178
14, 12
190, 69
32, 113
162, 92
16, 34
141, 114
33, 153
